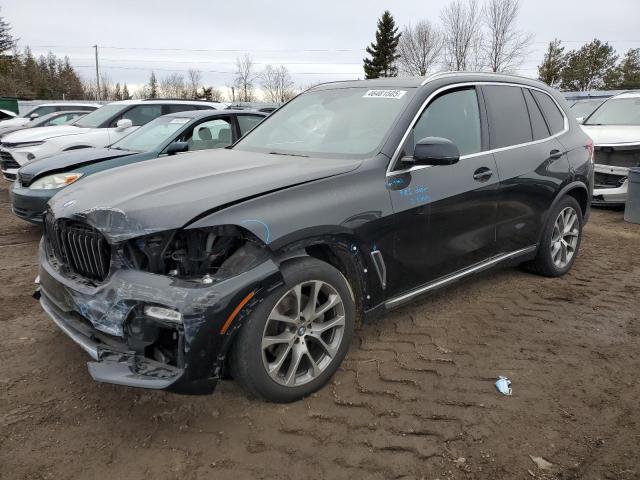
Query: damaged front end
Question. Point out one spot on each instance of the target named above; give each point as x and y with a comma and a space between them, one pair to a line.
157, 310
612, 163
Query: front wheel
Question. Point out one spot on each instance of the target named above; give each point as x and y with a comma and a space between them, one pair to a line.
560, 240
296, 338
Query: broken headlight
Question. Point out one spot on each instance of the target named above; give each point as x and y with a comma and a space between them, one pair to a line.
196, 254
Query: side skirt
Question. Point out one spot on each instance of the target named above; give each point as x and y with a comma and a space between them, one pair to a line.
449, 279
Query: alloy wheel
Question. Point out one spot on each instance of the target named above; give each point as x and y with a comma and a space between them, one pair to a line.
303, 333
564, 238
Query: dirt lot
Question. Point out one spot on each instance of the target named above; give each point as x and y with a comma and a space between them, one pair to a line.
415, 398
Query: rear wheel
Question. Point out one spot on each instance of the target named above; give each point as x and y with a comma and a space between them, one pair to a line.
560, 240
297, 337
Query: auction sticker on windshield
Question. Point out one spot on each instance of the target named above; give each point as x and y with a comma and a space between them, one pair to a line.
397, 94
179, 120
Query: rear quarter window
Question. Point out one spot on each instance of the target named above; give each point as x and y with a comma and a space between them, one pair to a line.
555, 118
508, 115
538, 123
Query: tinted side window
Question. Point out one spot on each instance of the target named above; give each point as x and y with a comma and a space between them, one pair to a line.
538, 125
554, 116
141, 114
454, 116
175, 108
247, 122
508, 115
42, 111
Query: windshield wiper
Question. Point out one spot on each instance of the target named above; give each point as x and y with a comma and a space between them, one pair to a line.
289, 154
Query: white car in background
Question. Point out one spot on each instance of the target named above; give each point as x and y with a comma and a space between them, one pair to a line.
44, 109
97, 129
615, 130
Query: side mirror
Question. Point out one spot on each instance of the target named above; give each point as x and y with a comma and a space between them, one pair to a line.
177, 147
580, 120
33, 116
123, 124
434, 151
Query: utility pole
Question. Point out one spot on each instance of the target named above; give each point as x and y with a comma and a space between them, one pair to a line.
97, 75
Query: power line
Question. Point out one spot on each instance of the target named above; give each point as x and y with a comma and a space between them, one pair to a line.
210, 71
302, 50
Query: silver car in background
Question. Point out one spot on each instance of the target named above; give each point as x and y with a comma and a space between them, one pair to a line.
615, 129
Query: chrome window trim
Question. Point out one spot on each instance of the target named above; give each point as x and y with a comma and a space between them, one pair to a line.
425, 104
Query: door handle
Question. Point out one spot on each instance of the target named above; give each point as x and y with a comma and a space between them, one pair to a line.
555, 154
482, 174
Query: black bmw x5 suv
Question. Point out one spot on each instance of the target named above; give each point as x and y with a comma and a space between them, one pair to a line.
350, 200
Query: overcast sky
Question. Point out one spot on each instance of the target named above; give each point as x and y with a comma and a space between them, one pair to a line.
319, 40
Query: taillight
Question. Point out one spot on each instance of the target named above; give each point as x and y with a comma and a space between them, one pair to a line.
590, 149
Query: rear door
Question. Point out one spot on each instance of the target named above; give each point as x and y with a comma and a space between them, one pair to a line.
531, 163
445, 214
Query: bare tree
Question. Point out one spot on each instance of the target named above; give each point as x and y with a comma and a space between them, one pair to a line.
217, 95
173, 86
106, 87
461, 26
505, 46
245, 78
419, 48
211, 94
194, 78
277, 84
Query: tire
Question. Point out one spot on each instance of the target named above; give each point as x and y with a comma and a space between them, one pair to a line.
288, 336
546, 262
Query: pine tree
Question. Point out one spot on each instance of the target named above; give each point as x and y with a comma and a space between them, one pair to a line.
383, 51
153, 86
117, 93
550, 71
629, 70
125, 93
590, 67
7, 42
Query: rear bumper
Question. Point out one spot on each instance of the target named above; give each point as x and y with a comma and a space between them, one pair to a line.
614, 192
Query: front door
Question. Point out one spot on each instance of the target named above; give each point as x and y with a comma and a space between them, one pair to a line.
445, 215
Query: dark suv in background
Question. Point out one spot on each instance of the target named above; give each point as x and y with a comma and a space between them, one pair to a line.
352, 199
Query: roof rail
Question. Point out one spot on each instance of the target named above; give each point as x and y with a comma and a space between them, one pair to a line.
174, 99
466, 72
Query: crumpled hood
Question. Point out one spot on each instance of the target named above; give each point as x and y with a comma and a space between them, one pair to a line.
168, 193
612, 134
37, 134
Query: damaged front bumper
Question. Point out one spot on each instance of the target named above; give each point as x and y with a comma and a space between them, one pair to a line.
129, 347
611, 185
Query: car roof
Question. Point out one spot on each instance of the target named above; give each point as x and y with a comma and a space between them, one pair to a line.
212, 113
64, 104
416, 82
630, 94
167, 101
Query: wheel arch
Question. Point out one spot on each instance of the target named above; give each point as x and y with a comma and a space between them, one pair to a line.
345, 255
575, 189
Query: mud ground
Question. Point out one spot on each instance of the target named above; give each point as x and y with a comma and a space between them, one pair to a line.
414, 399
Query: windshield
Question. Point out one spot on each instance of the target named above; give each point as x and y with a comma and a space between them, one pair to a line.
41, 110
99, 116
152, 135
583, 108
341, 122
617, 111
